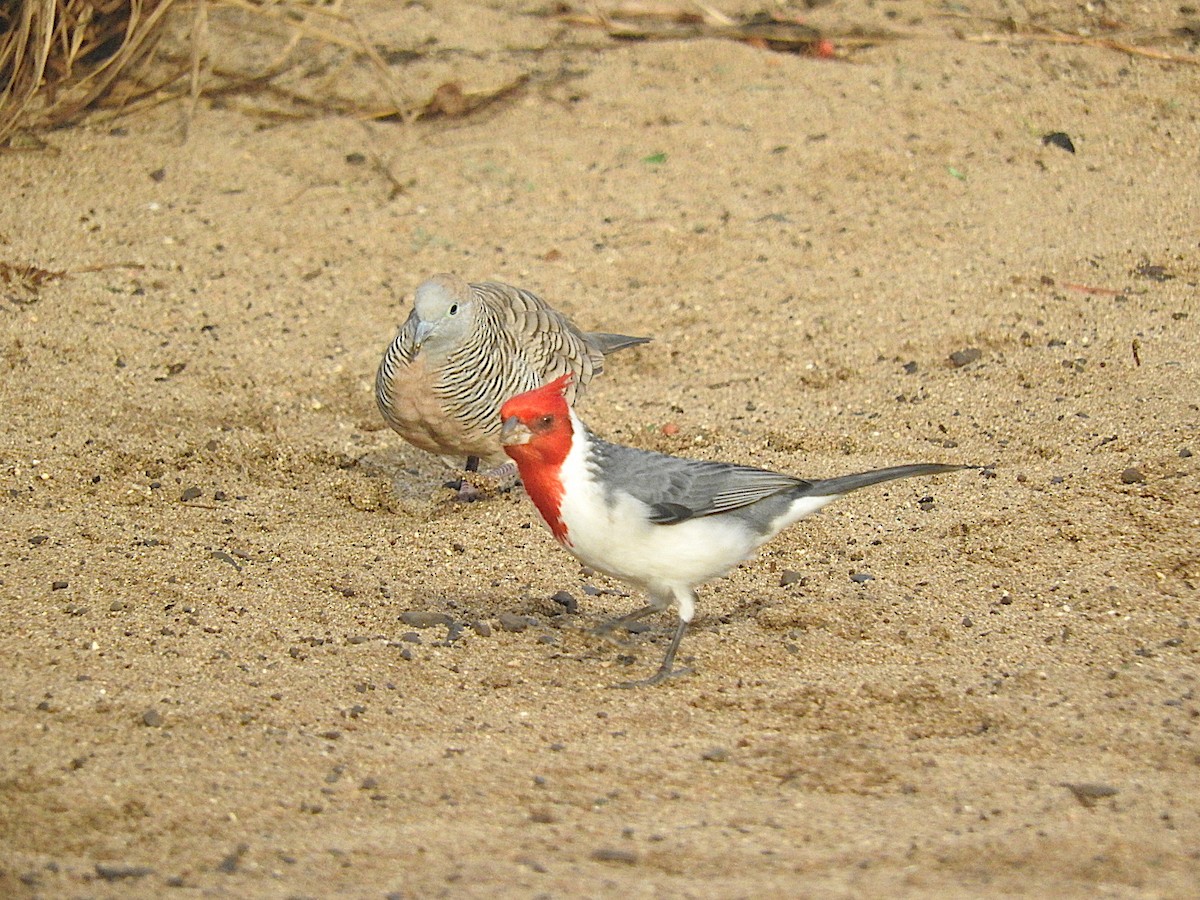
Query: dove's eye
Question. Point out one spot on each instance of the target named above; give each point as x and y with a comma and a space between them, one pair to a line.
453, 309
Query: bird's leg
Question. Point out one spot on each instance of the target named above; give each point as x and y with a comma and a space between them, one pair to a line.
666, 670
657, 604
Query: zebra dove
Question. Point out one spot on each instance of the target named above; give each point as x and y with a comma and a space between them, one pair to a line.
464, 350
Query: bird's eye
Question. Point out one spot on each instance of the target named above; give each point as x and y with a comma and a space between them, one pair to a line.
545, 421
454, 309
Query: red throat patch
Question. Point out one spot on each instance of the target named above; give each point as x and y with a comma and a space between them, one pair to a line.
545, 413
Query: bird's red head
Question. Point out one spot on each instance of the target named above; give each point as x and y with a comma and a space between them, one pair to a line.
549, 399
537, 433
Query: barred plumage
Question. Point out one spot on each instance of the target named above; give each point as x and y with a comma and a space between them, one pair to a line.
464, 350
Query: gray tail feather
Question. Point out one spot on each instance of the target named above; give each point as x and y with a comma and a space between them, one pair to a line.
844, 484
610, 343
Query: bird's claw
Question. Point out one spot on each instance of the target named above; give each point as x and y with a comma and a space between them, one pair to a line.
464, 491
474, 485
657, 678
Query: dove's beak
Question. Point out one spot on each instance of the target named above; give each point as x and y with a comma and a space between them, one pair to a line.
424, 329
513, 432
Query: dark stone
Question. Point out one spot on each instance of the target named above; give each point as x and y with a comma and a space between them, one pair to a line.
425, 619
566, 601
960, 358
1059, 139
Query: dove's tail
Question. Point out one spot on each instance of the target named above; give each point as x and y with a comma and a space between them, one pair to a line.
611, 343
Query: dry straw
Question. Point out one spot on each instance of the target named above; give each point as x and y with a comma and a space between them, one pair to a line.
59, 58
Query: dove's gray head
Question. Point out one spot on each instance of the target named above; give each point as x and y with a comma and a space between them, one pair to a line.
444, 310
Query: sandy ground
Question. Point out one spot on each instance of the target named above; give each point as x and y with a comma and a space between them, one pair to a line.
212, 680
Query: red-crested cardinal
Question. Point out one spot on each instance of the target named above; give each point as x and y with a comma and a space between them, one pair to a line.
659, 522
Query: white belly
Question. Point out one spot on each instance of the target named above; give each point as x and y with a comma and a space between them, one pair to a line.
620, 541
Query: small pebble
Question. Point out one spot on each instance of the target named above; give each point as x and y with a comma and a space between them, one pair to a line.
424, 619
790, 577
910, 368
230, 863
1153, 272
116, 871
512, 622
960, 358
38, 539
226, 558
566, 601
715, 754
1132, 475
1088, 793
862, 577
192, 493
1059, 139
482, 628
152, 718
612, 854
58, 585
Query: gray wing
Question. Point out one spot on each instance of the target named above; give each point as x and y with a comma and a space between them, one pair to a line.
680, 489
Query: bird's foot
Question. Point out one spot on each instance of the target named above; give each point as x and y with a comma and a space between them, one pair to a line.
464, 491
473, 485
657, 678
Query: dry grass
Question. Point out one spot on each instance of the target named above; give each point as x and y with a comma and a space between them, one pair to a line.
59, 58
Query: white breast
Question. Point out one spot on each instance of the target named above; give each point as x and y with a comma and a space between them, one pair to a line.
613, 533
